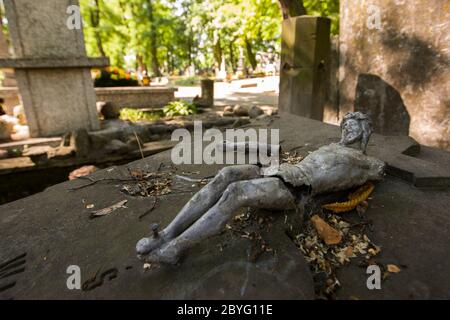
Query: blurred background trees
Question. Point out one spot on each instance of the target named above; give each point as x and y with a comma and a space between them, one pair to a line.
187, 36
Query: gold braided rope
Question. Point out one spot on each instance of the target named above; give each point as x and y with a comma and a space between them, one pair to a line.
355, 199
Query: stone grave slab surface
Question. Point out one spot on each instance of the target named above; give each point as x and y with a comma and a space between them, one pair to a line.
52, 230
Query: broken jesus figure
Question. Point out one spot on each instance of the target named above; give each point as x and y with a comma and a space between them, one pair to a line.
333, 167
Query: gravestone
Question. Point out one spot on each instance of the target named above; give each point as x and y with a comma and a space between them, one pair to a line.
395, 62
305, 64
51, 67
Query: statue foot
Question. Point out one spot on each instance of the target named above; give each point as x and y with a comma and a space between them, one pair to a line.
165, 255
147, 245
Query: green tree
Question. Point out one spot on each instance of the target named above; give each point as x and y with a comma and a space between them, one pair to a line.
170, 35
326, 8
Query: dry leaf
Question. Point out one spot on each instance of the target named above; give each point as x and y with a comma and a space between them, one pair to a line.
108, 210
82, 172
374, 251
392, 268
325, 231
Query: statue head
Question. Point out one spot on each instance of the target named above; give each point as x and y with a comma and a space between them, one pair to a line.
356, 127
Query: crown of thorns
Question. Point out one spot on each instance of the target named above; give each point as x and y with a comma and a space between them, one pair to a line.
357, 116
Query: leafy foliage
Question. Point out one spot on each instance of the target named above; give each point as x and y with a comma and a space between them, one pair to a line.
179, 108
114, 77
171, 36
139, 115
325, 8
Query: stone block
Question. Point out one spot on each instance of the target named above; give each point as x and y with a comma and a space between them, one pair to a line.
137, 97
58, 101
305, 64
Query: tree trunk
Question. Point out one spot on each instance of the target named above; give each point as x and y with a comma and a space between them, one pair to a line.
231, 49
169, 60
292, 8
249, 53
217, 53
140, 62
189, 47
95, 21
153, 41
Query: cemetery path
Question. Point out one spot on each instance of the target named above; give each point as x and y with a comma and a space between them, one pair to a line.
257, 91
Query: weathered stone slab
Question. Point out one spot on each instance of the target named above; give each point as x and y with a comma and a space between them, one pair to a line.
411, 226
130, 97
396, 56
54, 230
69, 236
50, 63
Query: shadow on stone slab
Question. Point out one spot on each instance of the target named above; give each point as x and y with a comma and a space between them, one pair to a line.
223, 268
384, 103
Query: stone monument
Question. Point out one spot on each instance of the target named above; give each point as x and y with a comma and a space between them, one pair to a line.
395, 63
305, 63
51, 67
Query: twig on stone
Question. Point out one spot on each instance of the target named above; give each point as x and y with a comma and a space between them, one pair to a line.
149, 210
92, 182
188, 179
139, 144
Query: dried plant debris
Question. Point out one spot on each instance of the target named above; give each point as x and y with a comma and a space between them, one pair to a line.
291, 158
329, 242
325, 259
248, 225
108, 210
148, 184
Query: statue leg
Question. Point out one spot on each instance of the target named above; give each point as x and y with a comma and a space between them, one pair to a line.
264, 193
199, 204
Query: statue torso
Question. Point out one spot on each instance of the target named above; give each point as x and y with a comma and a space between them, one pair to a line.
330, 168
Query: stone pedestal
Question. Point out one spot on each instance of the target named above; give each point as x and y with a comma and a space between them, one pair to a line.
51, 67
305, 61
